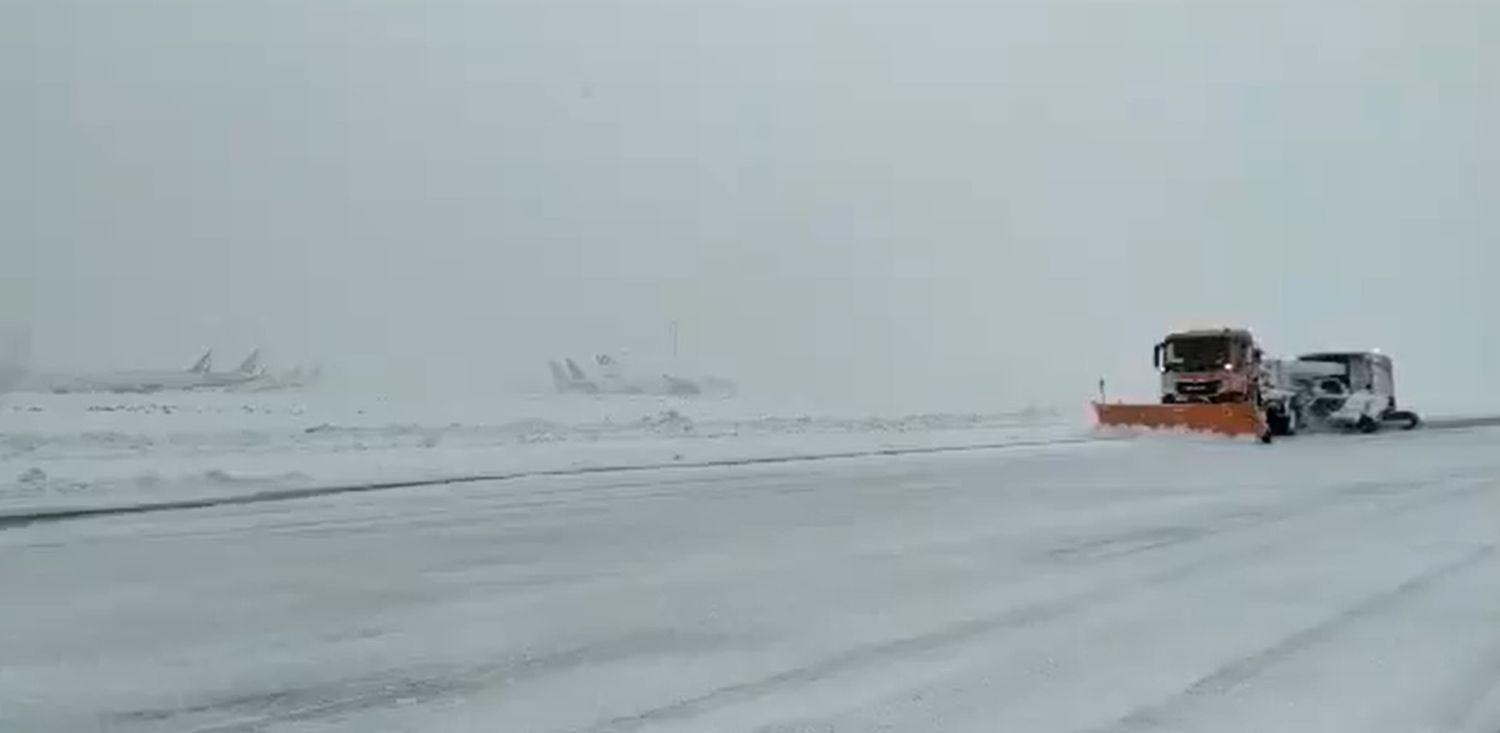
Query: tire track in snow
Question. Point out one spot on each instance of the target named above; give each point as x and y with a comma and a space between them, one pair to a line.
1229, 676
1477, 709
1146, 539
1020, 617
247, 713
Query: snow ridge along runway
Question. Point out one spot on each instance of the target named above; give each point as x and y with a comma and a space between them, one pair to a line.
25, 517
80, 455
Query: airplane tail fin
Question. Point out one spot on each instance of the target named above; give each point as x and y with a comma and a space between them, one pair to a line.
560, 380
251, 364
576, 372
205, 363
571, 379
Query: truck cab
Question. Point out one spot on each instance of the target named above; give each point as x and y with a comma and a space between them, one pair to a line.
1213, 365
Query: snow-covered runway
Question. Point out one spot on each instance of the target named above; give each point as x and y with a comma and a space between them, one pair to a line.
1323, 584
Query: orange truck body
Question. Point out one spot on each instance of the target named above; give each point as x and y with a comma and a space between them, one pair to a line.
1210, 382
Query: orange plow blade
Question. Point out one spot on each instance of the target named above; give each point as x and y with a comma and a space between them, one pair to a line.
1231, 419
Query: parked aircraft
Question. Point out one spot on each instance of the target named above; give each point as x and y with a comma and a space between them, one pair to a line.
199, 376
570, 378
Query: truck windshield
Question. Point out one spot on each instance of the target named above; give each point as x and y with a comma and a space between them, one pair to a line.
1197, 354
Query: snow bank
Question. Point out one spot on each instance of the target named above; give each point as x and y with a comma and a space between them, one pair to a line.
68, 452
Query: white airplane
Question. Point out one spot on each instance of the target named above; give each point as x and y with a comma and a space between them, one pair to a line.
200, 376
569, 377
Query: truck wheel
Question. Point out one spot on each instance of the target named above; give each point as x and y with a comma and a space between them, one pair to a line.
1367, 424
1281, 423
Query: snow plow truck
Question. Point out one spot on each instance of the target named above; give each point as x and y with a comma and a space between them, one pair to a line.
1220, 381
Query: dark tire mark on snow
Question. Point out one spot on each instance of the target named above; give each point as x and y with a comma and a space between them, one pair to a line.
1130, 543
1230, 676
15, 520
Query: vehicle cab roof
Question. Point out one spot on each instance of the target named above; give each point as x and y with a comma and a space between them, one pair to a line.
1344, 356
1232, 333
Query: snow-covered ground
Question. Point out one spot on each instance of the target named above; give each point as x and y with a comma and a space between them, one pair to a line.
1334, 583
63, 452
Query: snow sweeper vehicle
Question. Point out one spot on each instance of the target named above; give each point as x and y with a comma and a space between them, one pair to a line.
1219, 381
1335, 391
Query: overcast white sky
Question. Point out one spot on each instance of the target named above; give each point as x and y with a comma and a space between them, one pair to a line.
895, 200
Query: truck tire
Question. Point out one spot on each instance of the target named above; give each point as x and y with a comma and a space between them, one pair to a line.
1281, 423
1367, 425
